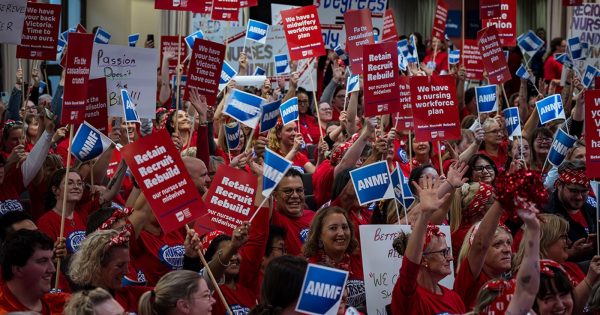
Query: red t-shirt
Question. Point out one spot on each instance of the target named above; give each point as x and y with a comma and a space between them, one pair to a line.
12, 185
296, 229
441, 61
552, 69
579, 218
501, 158
408, 297
156, 255
466, 285
49, 223
252, 252
113, 165
322, 181
52, 304
128, 297
37, 194
574, 271
309, 128
240, 300
458, 237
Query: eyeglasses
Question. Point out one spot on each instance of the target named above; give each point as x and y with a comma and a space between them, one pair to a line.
281, 249
480, 169
446, 252
576, 191
494, 131
328, 109
290, 191
543, 139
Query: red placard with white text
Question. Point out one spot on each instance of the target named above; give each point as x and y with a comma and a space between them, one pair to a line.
225, 10
196, 6
303, 32
96, 110
506, 24
204, 70
592, 133
439, 20
230, 198
40, 32
164, 180
472, 60
248, 3
598, 82
169, 43
77, 72
389, 27
404, 119
359, 32
380, 73
489, 9
435, 109
492, 56
569, 3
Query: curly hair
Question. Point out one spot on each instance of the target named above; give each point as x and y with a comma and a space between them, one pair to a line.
311, 246
273, 141
95, 253
83, 302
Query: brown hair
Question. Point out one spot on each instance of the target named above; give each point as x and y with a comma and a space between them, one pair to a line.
311, 246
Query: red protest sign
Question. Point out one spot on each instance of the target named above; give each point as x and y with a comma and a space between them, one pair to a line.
492, 56
506, 24
225, 10
196, 6
389, 27
569, 3
359, 32
230, 198
303, 32
435, 110
380, 69
472, 60
162, 177
489, 9
592, 133
40, 32
205, 69
169, 44
598, 82
403, 119
96, 110
439, 21
248, 3
79, 60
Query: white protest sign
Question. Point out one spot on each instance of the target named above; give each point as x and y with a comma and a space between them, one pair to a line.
381, 263
128, 68
12, 17
584, 18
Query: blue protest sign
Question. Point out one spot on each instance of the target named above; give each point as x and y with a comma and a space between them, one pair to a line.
486, 99
529, 43
352, 84
42, 87
588, 76
289, 110
259, 71
322, 290
65, 35
453, 57
190, 39
281, 64
564, 59
60, 46
88, 142
561, 144
506, 54
402, 46
574, 46
408, 195
232, 135
453, 23
131, 114
133, 39
550, 108
512, 121
257, 31
342, 54
400, 185
522, 72
269, 116
244, 107
275, 166
102, 36
182, 81
227, 72
413, 55
372, 183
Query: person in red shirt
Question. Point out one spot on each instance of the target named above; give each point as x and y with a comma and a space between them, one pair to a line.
495, 144
436, 61
12, 133
482, 169
98, 300
553, 68
27, 272
286, 141
309, 126
426, 262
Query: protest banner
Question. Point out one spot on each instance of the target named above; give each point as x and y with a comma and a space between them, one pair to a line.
40, 32
233, 136
159, 171
227, 72
389, 31
438, 30
96, 110
489, 9
472, 60
190, 39
102, 36
127, 66
380, 69
270, 115
550, 108
512, 121
381, 263
77, 74
129, 111
257, 31
169, 44
204, 71
243, 107
12, 18
289, 111
592, 133
281, 64
486, 99
303, 32
588, 76
506, 24
359, 32
89, 143
584, 24
225, 10
492, 56
322, 290
275, 166
331, 15
183, 5
133, 39
560, 145
372, 183
435, 111
403, 120
230, 198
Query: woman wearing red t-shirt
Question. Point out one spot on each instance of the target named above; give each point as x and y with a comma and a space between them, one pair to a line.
541, 140
309, 126
553, 68
12, 133
495, 144
184, 128
436, 61
286, 141
426, 262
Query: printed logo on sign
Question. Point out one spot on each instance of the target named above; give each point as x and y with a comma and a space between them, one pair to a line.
239, 310
182, 215
434, 134
304, 235
74, 240
74, 115
172, 256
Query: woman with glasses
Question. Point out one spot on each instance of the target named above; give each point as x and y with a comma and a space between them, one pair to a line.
308, 122
541, 138
482, 169
495, 143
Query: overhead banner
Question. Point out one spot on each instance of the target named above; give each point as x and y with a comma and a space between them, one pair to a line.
40, 32
492, 56
389, 27
303, 32
403, 120
77, 74
568, 3
204, 71
381, 263
506, 24
96, 110
472, 60
438, 30
489, 9
435, 110
359, 32
585, 24
592, 134
131, 67
380, 69
12, 15
159, 171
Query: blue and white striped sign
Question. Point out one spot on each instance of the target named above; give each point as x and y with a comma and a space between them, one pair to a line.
342, 54
512, 121
131, 114
190, 39
257, 31
486, 99
561, 144
522, 72
550, 108
529, 43
270, 114
401, 190
60, 46
133, 39
227, 72
588, 76
275, 166
352, 85
102, 36
575, 48
322, 290
42, 87
413, 55
372, 183
281, 64
88, 142
454, 57
244, 107
565, 60
233, 135
289, 111
259, 71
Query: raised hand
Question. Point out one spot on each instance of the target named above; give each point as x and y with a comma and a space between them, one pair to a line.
192, 244
428, 196
456, 174
240, 235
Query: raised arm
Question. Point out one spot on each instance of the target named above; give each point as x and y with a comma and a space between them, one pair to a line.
483, 238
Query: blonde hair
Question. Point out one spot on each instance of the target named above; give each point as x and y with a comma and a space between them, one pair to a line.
273, 141
551, 229
83, 302
86, 264
191, 152
466, 245
175, 285
460, 200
